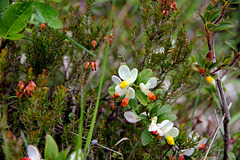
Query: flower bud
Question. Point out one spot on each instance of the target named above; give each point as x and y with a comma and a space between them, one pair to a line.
87, 65
115, 95
151, 96
42, 26
94, 43
21, 85
125, 102
93, 66
170, 140
164, 13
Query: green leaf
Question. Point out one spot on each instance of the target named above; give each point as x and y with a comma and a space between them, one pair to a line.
210, 7
232, 45
213, 65
48, 14
222, 26
210, 25
141, 97
14, 37
206, 14
133, 104
227, 59
231, 33
166, 116
144, 76
146, 137
213, 16
111, 89
4, 4
63, 154
231, 156
164, 109
229, 68
200, 33
154, 111
14, 18
201, 16
214, 76
200, 60
51, 148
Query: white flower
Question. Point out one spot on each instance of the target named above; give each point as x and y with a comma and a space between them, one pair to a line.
73, 155
151, 83
132, 117
123, 87
126, 75
33, 153
165, 129
200, 146
169, 131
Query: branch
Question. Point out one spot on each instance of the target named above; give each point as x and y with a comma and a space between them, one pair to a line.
215, 133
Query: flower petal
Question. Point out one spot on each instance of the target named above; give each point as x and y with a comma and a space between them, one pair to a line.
152, 127
174, 132
131, 117
124, 72
120, 91
153, 82
165, 126
116, 80
188, 152
130, 93
134, 74
33, 152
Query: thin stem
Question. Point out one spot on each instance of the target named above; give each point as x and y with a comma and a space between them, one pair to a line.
100, 84
80, 128
215, 133
196, 103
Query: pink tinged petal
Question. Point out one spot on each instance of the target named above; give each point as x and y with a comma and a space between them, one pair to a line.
133, 75
120, 91
154, 119
152, 127
201, 142
124, 72
174, 132
165, 126
130, 93
152, 82
33, 152
131, 117
188, 152
116, 80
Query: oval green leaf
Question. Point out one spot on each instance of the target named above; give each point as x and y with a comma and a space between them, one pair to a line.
141, 97
222, 26
48, 14
51, 148
146, 137
14, 18
232, 45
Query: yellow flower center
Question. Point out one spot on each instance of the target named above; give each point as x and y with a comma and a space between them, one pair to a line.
209, 79
170, 140
123, 84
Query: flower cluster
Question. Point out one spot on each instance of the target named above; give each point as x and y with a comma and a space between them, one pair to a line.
125, 82
27, 91
165, 128
93, 65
